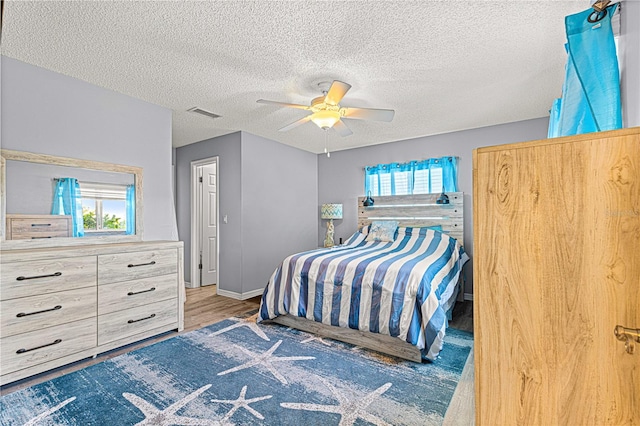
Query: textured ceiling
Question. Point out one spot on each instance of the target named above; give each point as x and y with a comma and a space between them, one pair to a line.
442, 66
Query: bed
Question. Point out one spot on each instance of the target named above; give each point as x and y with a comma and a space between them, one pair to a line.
388, 292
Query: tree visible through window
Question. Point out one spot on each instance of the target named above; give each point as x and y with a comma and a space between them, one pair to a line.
103, 206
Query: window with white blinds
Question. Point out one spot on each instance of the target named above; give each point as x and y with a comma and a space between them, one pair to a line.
434, 175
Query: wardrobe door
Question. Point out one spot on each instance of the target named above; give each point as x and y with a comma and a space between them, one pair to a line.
557, 268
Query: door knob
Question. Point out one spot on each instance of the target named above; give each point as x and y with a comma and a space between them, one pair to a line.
627, 335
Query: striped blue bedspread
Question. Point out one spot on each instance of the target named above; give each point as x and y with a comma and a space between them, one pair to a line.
400, 288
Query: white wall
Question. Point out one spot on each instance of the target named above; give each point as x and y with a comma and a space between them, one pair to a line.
49, 113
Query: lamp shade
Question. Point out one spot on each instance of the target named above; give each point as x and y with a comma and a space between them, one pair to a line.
331, 211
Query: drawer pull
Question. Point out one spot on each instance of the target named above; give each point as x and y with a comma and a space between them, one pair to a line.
55, 308
55, 342
141, 319
131, 265
40, 224
36, 238
131, 293
57, 274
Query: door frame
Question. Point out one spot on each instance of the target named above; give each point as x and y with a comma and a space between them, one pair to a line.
196, 197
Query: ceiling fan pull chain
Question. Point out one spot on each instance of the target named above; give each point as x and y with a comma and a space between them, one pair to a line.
326, 142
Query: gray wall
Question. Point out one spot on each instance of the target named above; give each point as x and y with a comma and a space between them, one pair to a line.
49, 113
227, 149
341, 177
630, 62
267, 190
279, 206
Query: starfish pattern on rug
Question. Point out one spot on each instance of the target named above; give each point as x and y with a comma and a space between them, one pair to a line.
241, 402
349, 410
154, 416
47, 413
249, 322
266, 359
319, 339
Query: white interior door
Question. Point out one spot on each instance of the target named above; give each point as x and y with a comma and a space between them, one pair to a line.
209, 224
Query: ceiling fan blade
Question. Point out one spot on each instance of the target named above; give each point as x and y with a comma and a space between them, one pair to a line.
296, 123
342, 128
283, 104
368, 114
336, 92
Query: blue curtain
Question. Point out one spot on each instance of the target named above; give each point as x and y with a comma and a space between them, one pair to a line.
131, 210
590, 99
376, 175
67, 200
449, 174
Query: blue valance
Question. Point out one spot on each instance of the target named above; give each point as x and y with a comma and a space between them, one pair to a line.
415, 177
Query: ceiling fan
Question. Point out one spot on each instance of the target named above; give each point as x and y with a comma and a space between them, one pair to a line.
327, 113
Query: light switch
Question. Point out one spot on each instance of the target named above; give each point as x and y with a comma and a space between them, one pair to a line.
224, 219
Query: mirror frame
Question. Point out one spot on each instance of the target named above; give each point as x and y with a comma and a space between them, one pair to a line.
6, 154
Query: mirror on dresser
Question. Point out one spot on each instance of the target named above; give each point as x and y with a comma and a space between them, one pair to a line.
50, 201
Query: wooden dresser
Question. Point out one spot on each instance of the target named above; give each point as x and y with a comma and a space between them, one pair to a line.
59, 305
556, 270
38, 226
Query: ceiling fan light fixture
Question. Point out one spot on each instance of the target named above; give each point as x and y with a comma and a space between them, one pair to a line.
325, 119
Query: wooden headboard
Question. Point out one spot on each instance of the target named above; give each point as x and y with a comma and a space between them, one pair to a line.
417, 210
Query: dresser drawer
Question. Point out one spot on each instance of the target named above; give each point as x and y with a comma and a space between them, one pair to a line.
114, 268
29, 349
20, 227
131, 294
37, 312
121, 324
22, 279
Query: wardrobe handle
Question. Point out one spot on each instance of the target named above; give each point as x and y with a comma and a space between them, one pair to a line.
131, 265
131, 293
629, 336
55, 342
22, 314
141, 319
57, 274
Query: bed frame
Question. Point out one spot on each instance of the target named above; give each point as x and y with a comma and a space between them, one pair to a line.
408, 210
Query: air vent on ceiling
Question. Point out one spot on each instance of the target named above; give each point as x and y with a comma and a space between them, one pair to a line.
201, 111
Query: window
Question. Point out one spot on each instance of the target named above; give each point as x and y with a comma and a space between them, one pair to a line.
434, 175
104, 207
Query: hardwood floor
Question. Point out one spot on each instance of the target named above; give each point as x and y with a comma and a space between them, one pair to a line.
204, 307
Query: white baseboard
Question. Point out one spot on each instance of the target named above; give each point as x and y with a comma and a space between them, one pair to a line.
187, 284
468, 296
240, 296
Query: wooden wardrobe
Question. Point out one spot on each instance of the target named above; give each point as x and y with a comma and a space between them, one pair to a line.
556, 269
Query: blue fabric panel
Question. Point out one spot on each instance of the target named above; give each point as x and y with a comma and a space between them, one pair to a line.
131, 210
67, 200
591, 93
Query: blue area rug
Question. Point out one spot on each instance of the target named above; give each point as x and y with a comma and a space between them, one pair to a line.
237, 372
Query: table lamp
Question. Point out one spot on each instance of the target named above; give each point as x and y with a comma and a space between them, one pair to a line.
330, 212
